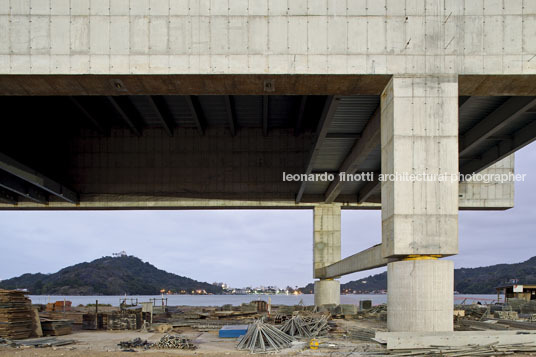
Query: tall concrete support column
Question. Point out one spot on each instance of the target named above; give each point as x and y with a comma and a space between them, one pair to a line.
326, 251
419, 143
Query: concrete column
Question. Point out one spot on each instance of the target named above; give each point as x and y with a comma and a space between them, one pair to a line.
419, 138
326, 251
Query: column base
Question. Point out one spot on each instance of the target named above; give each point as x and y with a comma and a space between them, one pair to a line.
420, 295
327, 291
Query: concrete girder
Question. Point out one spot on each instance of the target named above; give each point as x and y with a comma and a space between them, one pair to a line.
367, 259
197, 115
157, 105
19, 187
35, 178
516, 141
231, 119
370, 139
494, 122
265, 104
87, 115
367, 190
321, 133
299, 116
134, 127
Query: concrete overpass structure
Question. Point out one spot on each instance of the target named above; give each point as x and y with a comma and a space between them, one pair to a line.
159, 104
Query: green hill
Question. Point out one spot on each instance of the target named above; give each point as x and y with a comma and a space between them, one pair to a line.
107, 276
481, 280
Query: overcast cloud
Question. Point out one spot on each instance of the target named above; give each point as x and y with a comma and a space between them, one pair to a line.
244, 248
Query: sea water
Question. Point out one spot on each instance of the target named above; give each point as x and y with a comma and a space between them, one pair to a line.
219, 300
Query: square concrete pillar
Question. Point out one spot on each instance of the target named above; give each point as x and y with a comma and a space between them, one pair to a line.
326, 250
419, 137
419, 143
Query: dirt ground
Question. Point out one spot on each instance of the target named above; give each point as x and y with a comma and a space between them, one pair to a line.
105, 343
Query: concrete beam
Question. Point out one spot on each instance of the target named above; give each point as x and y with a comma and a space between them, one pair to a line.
495, 122
87, 115
321, 132
35, 178
367, 190
299, 115
370, 139
231, 119
368, 259
265, 103
19, 187
519, 139
197, 114
134, 127
157, 105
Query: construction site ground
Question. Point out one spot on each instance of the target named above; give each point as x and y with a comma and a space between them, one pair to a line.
105, 343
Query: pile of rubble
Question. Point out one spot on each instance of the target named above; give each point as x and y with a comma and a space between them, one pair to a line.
166, 342
174, 342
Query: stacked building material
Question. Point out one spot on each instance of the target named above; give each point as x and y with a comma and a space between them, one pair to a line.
361, 334
16, 320
56, 327
121, 321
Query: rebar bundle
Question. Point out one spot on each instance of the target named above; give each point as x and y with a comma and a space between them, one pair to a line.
307, 326
174, 342
263, 337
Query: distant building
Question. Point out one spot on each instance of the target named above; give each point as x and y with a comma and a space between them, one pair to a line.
516, 291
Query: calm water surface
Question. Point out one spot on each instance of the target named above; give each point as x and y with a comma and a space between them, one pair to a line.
219, 300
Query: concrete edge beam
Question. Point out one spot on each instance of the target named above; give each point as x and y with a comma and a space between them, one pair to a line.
367, 259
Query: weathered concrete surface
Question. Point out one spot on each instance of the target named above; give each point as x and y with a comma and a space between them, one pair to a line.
420, 136
367, 259
420, 295
489, 195
326, 250
238, 36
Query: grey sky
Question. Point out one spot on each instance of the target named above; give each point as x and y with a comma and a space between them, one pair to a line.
245, 248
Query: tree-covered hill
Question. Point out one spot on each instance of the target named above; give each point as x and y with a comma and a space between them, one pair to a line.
107, 276
482, 280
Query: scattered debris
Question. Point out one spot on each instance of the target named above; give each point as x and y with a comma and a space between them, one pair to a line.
135, 343
263, 337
